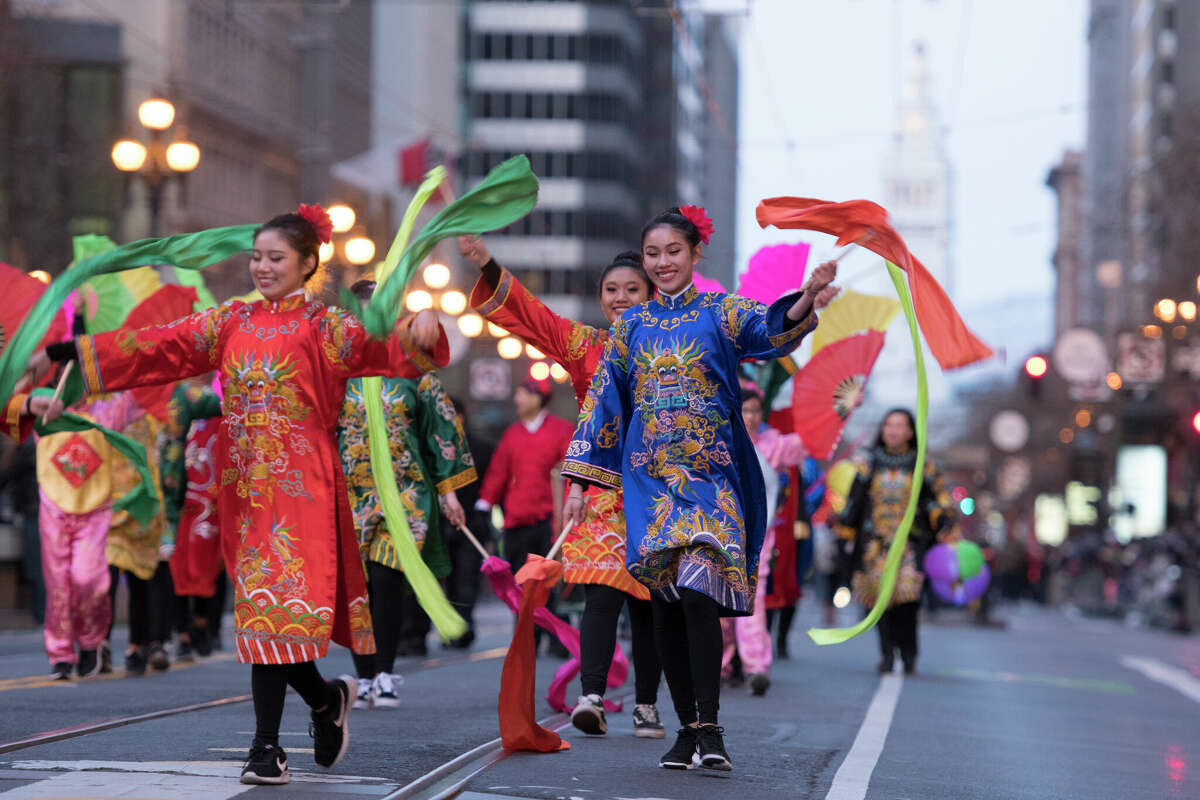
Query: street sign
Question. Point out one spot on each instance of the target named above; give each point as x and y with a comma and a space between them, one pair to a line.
1139, 359
491, 379
1080, 356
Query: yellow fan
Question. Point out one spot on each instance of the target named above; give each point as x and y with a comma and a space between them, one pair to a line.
252, 296
852, 313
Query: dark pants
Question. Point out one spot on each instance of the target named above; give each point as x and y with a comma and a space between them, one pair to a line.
396, 616
519, 543
898, 631
786, 615
160, 595
688, 633
192, 611
31, 562
268, 684
598, 641
462, 584
139, 605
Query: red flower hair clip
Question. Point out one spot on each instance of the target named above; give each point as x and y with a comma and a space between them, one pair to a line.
319, 219
698, 217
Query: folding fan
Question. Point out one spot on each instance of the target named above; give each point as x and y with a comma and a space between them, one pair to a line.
704, 284
20, 293
773, 271
168, 304
109, 299
830, 387
852, 313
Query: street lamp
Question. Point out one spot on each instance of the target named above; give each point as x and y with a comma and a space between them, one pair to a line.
359, 250
158, 162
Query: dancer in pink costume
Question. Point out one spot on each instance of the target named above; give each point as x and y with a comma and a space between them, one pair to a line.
75, 481
749, 637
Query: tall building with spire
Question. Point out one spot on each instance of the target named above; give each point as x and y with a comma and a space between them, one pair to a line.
917, 192
918, 178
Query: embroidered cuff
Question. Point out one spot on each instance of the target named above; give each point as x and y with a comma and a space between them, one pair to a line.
500, 285
784, 332
583, 472
458, 481
85, 349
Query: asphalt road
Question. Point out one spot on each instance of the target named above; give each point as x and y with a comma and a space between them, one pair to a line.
1050, 707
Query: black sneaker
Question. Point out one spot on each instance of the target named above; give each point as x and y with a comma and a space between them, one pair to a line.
89, 664
105, 658
135, 663
588, 715
710, 746
61, 671
683, 754
266, 764
158, 658
759, 683
330, 728
202, 643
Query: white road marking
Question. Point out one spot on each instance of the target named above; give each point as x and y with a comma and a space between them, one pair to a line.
1156, 670
854, 775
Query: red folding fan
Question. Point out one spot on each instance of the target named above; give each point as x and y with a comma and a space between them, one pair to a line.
167, 304
830, 387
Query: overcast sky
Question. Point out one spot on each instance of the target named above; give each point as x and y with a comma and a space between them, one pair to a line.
819, 87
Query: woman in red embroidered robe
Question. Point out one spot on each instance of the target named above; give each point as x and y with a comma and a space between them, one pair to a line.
594, 552
287, 534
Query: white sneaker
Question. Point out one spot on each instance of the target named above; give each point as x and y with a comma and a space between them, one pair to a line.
363, 698
588, 715
383, 691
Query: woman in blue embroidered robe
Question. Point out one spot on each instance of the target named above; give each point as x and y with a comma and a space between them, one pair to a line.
662, 423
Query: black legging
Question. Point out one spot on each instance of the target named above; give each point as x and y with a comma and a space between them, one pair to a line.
139, 605
898, 631
598, 641
688, 633
786, 615
268, 684
393, 609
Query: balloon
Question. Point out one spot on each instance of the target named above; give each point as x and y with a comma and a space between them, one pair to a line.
942, 564
962, 592
840, 477
970, 559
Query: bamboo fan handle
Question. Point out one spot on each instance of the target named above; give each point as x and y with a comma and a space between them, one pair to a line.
562, 537
471, 538
62, 384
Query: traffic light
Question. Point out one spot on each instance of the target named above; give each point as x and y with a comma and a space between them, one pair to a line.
1196, 422
1036, 368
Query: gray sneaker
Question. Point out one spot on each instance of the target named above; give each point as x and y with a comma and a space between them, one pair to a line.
588, 715
646, 724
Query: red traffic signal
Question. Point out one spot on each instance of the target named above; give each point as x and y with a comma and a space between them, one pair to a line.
1036, 366
1196, 422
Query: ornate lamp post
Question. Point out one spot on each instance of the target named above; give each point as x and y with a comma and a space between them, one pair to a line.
158, 162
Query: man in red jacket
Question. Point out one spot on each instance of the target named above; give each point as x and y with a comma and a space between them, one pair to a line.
519, 478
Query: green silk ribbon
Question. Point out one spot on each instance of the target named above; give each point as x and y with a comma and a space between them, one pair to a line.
895, 554
449, 624
508, 193
187, 250
141, 501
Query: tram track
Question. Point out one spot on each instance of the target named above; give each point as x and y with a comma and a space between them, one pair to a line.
99, 726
